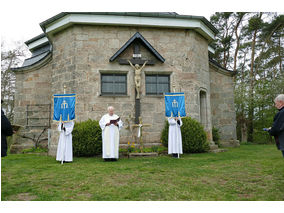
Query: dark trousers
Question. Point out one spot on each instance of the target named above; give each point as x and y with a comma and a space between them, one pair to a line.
110, 159
282, 153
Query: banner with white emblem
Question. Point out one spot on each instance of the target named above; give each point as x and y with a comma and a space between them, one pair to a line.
64, 107
175, 104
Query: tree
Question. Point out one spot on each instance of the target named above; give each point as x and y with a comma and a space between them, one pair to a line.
224, 24
254, 26
256, 53
12, 57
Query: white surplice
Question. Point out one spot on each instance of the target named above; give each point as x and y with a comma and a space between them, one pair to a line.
174, 138
64, 148
110, 136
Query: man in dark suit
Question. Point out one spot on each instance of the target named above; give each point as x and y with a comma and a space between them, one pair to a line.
6, 130
277, 129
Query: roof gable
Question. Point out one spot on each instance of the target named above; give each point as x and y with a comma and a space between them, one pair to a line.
137, 37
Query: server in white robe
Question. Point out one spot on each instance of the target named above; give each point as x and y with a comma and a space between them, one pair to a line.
110, 124
64, 148
174, 138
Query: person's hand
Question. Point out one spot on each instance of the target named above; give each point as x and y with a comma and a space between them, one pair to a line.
116, 124
107, 124
14, 132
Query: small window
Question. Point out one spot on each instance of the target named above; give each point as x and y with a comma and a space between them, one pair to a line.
113, 84
157, 84
203, 108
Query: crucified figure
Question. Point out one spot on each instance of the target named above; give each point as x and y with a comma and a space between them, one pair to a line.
137, 77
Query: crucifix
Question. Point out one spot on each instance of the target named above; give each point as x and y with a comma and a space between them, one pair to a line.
137, 77
140, 125
135, 64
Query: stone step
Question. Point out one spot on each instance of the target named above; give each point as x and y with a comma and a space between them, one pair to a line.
218, 150
230, 143
213, 147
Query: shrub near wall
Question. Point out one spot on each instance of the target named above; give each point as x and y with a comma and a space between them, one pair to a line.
87, 139
194, 137
216, 136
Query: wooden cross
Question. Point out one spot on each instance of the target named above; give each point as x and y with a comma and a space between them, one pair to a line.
141, 125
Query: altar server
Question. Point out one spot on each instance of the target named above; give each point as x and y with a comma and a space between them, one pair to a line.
175, 139
64, 148
110, 124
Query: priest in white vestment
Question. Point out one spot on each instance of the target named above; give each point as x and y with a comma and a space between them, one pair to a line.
110, 124
64, 148
174, 139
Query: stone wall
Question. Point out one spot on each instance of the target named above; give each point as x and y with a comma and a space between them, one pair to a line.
32, 88
222, 106
81, 53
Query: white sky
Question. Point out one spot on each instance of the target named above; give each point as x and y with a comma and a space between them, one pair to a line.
20, 18
19, 21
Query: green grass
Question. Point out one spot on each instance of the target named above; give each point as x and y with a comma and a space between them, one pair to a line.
251, 172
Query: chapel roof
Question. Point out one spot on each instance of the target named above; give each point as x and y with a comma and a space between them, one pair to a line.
221, 68
41, 46
137, 14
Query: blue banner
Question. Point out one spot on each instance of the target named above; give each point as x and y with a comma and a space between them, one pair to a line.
64, 107
174, 104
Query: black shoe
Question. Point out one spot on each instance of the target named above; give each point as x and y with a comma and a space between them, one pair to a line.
175, 155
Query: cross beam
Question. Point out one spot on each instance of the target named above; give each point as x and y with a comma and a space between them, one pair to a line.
135, 61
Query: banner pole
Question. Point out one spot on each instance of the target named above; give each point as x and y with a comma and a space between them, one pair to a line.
64, 142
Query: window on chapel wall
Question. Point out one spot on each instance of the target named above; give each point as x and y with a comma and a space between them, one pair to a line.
157, 84
203, 108
113, 84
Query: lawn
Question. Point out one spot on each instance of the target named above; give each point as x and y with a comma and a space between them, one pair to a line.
251, 172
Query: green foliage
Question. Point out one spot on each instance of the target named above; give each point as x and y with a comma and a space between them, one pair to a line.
35, 150
216, 136
154, 148
159, 149
165, 134
9, 143
194, 139
246, 143
262, 137
87, 138
130, 147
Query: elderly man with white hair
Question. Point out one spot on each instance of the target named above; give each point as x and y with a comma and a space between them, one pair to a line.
110, 124
277, 129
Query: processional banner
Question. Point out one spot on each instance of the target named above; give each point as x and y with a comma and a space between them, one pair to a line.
64, 107
175, 104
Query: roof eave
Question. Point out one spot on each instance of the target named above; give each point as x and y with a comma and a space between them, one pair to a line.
65, 19
34, 66
222, 69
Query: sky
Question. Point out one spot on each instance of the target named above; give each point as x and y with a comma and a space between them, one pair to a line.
20, 19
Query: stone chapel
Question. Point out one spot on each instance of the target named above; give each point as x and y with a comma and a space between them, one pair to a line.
88, 53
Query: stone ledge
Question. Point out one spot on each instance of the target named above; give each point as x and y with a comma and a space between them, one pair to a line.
125, 145
230, 143
146, 154
18, 148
